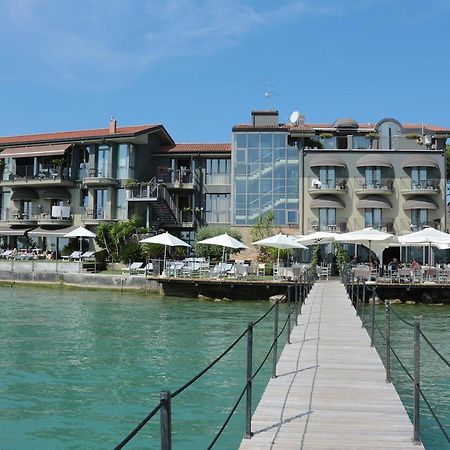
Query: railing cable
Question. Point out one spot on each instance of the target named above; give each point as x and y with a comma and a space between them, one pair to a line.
436, 418
266, 314
434, 349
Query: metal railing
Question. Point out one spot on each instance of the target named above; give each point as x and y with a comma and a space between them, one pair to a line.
354, 287
295, 296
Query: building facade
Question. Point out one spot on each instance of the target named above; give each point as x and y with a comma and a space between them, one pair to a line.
338, 177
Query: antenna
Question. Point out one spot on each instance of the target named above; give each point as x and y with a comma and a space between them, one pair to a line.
294, 117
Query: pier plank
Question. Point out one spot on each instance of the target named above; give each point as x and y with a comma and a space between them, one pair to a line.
330, 391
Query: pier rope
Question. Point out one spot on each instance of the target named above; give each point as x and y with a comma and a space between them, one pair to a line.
133, 433
436, 418
438, 353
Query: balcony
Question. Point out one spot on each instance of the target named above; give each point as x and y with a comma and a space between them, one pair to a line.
316, 225
178, 179
42, 176
385, 225
316, 186
422, 187
95, 216
408, 226
93, 177
382, 186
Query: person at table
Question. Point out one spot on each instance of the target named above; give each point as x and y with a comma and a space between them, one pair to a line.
394, 265
414, 265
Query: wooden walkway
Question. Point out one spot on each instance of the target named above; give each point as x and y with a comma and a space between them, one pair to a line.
330, 391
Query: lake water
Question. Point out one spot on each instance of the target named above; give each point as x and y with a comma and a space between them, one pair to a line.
80, 369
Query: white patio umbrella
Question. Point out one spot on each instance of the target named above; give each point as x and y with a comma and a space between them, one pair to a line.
80, 233
318, 236
224, 241
279, 241
429, 236
166, 239
366, 236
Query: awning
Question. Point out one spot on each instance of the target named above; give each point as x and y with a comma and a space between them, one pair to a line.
373, 160
419, 203
35, 150
55, 194
59, 232
374, 201
24, 194
419, 161
8, 231
327, 160
327, 201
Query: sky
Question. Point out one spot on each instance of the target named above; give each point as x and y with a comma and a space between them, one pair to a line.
201, 66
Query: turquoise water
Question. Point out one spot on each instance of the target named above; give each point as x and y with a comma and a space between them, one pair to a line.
435, 375
80, 369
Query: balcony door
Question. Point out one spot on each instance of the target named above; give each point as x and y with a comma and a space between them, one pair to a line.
373, 177
327, 219
419, 178
100, 203
419, 218
327, 177
372, 218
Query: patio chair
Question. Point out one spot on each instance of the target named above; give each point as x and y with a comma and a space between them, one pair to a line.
132, 268
72, 256
88, 255
6, 254
261, 269
148, 268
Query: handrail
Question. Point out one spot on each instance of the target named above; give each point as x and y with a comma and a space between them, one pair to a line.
307, 282
415, 378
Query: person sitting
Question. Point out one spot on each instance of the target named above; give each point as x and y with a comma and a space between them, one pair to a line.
414, 265
393, 266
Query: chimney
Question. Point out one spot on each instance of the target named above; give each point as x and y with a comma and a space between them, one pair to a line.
112, 125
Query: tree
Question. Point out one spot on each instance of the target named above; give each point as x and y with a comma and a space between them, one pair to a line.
214, 252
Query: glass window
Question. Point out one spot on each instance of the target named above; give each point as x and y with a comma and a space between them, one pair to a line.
373, 177
253, 140
218, 208
372, 217
121, 213
100, 202
419, 179
218, 171
266, 140
279, 140
327, 219
240, 140
122, 162
103, 161
84, 198
361, 142
327, 177
292, 216
419, 219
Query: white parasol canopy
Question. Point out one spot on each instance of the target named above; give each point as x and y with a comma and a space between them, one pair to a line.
80, 233
318, 236
279, 241
166, 239
223, 240
366, 236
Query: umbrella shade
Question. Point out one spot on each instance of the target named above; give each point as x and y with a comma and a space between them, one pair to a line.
318, 236
165, 239
279, 241
223, 240
80, 232
425, 236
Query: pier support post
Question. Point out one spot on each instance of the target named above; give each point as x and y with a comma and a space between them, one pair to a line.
275, 339
416, 406
288, 315
372, 331
363, 307
388, 341
248, 415
166, 421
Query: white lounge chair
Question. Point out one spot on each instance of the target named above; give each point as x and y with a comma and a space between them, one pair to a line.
148, 268
88, 255
73, 256
132, 269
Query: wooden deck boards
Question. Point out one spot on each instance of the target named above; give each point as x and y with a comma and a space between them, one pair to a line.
330, 391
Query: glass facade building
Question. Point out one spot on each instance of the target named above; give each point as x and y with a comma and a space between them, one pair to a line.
266, 178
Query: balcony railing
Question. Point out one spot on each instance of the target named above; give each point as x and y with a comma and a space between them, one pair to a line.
385, 185
316, 225
386, 225
427, 186
41, 172
316, 185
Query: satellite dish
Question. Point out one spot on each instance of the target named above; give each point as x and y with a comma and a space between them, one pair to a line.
294, 117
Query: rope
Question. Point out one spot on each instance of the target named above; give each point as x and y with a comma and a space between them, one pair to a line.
401, 318
194, 379
434, 349
266, 314
227, 419
379, 330
264, 360
401, 364
436, 418
138, 428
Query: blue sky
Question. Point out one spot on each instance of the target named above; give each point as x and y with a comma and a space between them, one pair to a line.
201, 66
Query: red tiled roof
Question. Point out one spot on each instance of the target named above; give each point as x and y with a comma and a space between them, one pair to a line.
74, 135
418, 126
197, 148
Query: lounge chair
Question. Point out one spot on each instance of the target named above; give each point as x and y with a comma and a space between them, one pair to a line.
132, 269
148, 268
222, 269
6, 254
88, 255
72, 256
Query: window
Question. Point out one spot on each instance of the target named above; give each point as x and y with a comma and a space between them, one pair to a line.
217, 208
373, 177
103, 161
218, 171
121, 209
419, 179
419, 219
84, 198
327, 177
122, 162
100, 201
327, 219
372, 217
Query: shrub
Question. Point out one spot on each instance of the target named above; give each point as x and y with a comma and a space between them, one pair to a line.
214, 252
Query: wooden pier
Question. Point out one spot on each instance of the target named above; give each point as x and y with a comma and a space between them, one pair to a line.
330, 391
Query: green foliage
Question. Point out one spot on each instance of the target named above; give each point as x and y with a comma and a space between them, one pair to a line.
214, 252
26, 242
341, 257
315, 256
116, 237
262, 229
131, 252
153, 251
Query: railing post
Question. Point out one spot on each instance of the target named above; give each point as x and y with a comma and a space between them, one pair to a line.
357, 295
372, 331
353, 288
166, 421
248, 421
275, 340
296, 301
416, 412
363, 308
388, 341
289, 315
